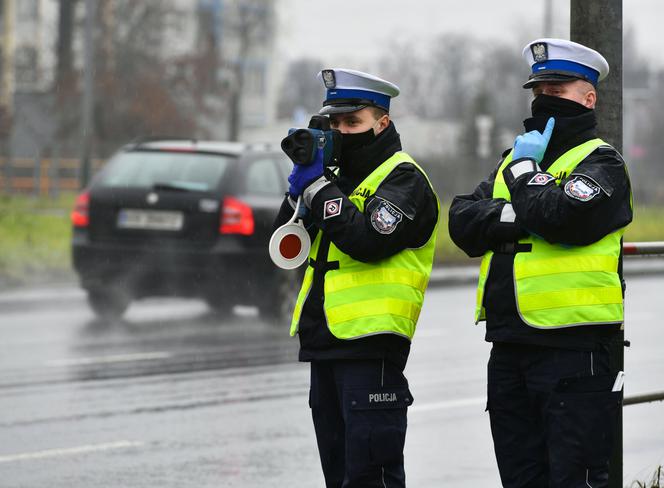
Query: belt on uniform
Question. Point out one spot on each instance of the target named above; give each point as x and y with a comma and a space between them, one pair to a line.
513, 248
324, 266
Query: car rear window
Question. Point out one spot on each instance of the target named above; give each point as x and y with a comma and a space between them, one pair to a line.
190, 171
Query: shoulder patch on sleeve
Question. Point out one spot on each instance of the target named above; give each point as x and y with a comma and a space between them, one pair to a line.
385, 217
540, 179
332, 208
582, 188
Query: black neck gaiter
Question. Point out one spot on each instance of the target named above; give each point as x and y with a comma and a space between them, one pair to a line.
574, 124
548, 106
350, 143
362, 153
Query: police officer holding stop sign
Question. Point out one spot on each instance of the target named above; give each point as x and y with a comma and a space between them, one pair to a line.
372, 221
549, 222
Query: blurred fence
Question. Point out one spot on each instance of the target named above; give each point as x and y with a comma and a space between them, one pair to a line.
42, 176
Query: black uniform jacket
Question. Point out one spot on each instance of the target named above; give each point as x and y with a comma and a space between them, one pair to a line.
560, 214
408, 194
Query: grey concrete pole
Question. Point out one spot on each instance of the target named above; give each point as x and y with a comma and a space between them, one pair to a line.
598, 25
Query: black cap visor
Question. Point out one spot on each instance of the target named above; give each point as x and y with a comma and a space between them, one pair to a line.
554, 77
346, 105
340, 109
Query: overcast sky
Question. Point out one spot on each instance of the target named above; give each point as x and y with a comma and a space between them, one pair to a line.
345, 32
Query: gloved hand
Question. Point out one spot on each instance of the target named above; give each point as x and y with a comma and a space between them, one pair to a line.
302, 176
532, 145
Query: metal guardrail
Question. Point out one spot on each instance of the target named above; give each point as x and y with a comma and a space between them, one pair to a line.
643, 248
645, 398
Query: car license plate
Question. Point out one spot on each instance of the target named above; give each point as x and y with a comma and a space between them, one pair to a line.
150, 219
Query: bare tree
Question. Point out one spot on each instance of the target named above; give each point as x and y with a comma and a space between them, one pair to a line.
136, 87
300, 89
251, 24
405, 62
66, 78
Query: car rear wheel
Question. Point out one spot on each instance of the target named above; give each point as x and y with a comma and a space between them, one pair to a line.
108, 303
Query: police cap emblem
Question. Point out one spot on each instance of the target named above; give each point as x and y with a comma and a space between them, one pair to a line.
540, 52
329, 79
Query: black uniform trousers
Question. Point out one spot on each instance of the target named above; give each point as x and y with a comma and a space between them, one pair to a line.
553, 415
359, 411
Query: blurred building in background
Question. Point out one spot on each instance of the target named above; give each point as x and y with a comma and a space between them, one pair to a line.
34, 36
210, 69
174, 67
237, 39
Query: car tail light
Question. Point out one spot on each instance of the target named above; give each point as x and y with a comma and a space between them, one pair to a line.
80, 216
236, 217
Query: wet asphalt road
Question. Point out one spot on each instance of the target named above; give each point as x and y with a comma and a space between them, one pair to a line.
175, 397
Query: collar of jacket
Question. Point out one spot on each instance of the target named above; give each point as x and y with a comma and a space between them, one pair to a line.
568, 132
367, 158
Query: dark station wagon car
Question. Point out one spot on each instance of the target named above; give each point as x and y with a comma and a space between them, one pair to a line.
183, 218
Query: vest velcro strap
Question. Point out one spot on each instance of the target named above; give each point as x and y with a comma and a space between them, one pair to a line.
570, 298
376, 276
368, 308
573, 263
513, 248
323, 266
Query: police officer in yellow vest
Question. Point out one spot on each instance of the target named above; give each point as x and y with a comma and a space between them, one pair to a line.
549, 223
373, 230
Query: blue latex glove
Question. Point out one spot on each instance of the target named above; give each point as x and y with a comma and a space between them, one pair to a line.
302, 176
532, 145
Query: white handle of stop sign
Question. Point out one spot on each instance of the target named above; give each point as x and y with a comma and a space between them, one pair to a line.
290, 244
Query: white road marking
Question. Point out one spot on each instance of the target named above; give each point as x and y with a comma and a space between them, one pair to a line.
118, 358
462, 402
71, 451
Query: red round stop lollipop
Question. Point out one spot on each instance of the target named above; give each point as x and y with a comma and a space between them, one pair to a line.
289, 245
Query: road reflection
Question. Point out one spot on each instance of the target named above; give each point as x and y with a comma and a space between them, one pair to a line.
170, 337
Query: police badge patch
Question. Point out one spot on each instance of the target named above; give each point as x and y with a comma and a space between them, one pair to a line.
331, 208
581, 189
540, 179
385, 218
540, 52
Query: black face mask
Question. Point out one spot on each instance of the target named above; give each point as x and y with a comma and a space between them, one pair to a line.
548, 106
351, 142
351, 146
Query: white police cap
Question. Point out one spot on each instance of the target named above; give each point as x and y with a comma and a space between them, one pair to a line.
349, 90
563, 60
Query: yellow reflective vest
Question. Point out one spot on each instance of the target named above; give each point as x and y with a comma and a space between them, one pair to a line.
381, 297
558, 285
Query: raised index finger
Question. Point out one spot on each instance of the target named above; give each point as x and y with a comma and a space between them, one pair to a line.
548, 130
